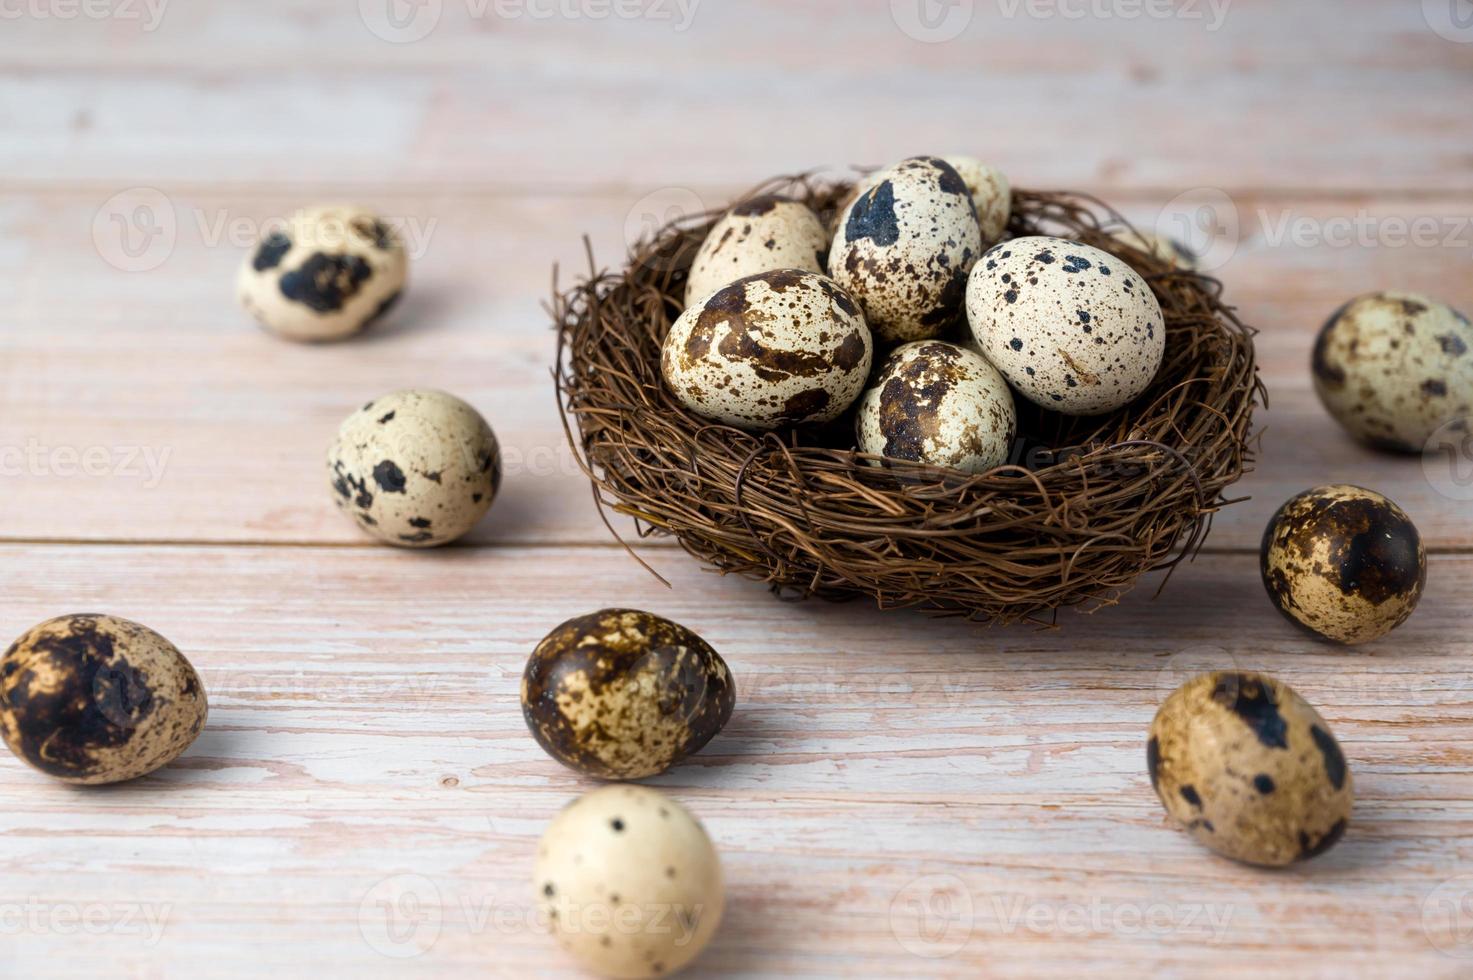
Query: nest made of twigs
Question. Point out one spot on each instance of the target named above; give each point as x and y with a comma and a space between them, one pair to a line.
1084, 509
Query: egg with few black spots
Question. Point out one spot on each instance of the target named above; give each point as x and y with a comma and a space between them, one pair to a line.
1344, 562
1393, 368
1071, 327
903, 249
92, 699
415, 468
779, 348
938, 404
625, 694
328, 274
1248, 768
759, 235
629, 882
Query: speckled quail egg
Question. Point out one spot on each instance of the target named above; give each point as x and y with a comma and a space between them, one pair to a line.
992, 195
938, 404
1345, 562
629, 882
94, 699
1072, 328
624, 694
1249, 769
328, 274
1393, 368
415, 468
778, 348
1168, 250
903, 249
761, 235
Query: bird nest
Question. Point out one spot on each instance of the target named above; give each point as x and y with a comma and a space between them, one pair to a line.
1081, 511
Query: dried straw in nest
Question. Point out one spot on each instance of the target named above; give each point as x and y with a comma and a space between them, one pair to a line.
1086, 506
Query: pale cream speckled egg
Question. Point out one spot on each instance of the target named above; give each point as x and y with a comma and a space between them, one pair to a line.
1071, 327
938, 404
991, 194
778, 348
629, 882
761, 235
415, 468
1393, 368
903, 249
93, 699
1248, 768
1344, 562
327, 275
1158, 246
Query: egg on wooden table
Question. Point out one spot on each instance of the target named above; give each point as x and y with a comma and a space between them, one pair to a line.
1071, 327
92, 699
415, 468
328, 274
630, 882
1344, 562
779, 348
760, 235
938, 404
1394, 368
1249, 769
625, 694
903, 249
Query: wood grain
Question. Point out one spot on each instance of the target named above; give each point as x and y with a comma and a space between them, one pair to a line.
895, 796
874, 761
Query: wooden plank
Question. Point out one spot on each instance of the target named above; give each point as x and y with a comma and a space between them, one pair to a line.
283, 92
201, 428
354, 739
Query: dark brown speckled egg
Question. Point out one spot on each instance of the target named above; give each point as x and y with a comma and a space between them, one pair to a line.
1344, 562
95, 699
624, 694
1249, 769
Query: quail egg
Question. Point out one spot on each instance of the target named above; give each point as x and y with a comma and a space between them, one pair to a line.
1345, 562
1072, 328
761, 235
1393, 368
415, 468
903, 249
629, 882
1249, 769
778, 348
327, 275
1168, 250
94, 699
938, 404
624, 694
992, 195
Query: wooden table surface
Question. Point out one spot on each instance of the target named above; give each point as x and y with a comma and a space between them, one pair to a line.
895, 796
